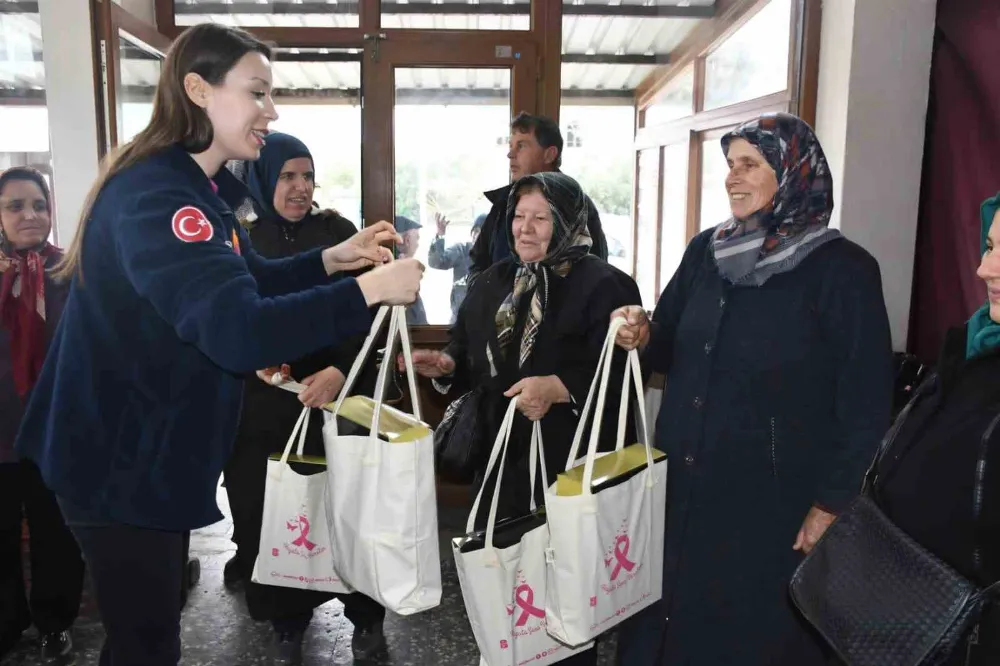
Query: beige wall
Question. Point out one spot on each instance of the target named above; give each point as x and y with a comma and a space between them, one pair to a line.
875, 59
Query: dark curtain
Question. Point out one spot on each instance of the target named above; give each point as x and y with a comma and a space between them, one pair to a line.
961, 169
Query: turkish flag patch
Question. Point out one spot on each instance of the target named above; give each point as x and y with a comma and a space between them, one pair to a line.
191, 226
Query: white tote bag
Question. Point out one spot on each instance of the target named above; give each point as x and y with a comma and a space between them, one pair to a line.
381, 503
605, 556
294, 540
504, 588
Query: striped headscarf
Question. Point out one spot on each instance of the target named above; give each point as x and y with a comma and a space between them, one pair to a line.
778, 237
570, 242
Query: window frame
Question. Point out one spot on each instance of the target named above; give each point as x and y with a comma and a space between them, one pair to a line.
799, 98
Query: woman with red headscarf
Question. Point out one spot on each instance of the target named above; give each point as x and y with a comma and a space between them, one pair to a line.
30, 305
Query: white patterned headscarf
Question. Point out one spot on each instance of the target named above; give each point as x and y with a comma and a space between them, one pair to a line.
570, 242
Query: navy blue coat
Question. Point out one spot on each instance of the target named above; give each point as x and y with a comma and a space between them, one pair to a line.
776, 398
137, 406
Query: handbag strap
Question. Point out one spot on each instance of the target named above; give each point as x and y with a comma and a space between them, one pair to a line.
871, 476
977, 496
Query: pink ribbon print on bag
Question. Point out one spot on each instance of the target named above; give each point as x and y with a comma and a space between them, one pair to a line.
623, 566
622, 545
524, 598
302, 545
301, 523
525, 608
618, 560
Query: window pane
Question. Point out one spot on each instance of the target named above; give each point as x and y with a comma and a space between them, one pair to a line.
448, 177
649, 184
286, 13
674, 235
754, 61
140, 71
457, 15
22, 95
676, 100
714, 169
336, 155
597, 152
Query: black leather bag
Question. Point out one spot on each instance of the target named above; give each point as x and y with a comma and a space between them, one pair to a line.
878, 597
459, 448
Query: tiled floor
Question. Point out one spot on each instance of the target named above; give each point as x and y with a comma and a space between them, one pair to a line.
216, 630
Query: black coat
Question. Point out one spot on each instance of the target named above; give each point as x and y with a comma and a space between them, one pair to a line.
484, 253
269, 414
568, 343
776, 398
926, 481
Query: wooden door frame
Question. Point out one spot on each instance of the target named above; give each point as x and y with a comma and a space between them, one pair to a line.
110, 21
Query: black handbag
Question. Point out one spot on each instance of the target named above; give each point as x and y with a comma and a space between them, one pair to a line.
459, 449
877, 596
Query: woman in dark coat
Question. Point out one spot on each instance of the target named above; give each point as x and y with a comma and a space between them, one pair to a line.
775, 342
533, 325
30, 305
926, 483
287, 223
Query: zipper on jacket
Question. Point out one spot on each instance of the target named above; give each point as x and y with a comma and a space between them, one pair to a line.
774, 459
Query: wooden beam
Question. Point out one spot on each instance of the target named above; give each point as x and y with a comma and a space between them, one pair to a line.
616, 59
355, 55
19, 7
139, 29
546, 23
165, 20
430, 8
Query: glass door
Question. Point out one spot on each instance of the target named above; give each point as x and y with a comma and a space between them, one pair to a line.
436, 123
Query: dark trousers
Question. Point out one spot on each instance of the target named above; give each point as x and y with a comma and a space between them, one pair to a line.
56, 565
137, 580
288, 609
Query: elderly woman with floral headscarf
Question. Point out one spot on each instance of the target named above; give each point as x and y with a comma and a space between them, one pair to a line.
533, 325
774, 339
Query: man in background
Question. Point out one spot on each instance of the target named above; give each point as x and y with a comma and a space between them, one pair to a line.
536, 145
454, 257
409, 231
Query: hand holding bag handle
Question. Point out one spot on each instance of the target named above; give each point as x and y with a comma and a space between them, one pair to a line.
396, 314
632, 372
301, 428
499, 455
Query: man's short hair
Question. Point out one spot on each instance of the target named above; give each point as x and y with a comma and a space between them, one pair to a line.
544, 129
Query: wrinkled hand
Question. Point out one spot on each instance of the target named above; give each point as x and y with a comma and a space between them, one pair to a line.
267, 374
634, 334
361, 250
442, 223
323, 387
536, 395
813, 527
429, 363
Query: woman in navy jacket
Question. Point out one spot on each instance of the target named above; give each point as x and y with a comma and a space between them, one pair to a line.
138, 402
